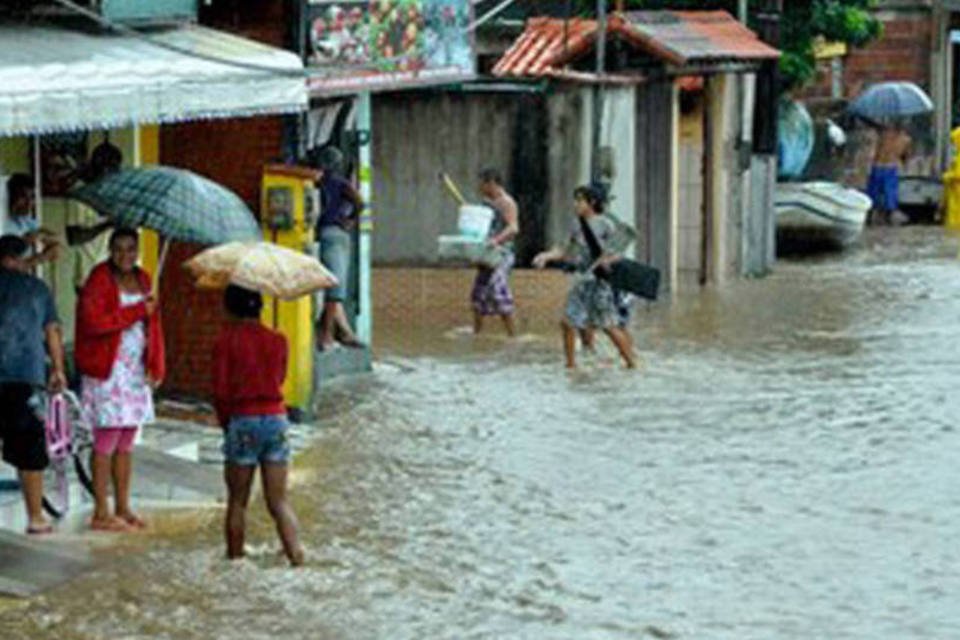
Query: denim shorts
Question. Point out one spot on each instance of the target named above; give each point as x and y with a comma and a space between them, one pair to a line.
253, 440
335, 256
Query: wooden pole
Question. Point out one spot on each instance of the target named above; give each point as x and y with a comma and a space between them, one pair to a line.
160, 263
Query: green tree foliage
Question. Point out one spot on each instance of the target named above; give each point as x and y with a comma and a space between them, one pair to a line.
803, 23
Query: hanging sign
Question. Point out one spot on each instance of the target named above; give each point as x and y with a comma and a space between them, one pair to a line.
376, 45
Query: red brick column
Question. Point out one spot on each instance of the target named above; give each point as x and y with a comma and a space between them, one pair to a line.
232, 153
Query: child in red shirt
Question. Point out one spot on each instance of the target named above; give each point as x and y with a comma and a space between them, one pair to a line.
249, 366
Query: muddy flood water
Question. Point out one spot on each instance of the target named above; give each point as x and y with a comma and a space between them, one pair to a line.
785, 465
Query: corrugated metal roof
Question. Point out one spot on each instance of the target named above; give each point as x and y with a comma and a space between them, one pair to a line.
675, 37
687, 37
55, 79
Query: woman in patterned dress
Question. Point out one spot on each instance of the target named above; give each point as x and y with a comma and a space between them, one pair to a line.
591, 302
119, 354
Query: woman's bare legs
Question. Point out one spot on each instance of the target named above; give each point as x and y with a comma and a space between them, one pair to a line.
274, 479
587, 339
508, 324
239, 479
621, 339
122, 473
328, 323
343, 332
569, 344
101, 466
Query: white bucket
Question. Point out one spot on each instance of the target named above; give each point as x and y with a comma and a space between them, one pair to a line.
474, 221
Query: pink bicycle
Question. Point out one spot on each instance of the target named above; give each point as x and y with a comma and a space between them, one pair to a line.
69, 440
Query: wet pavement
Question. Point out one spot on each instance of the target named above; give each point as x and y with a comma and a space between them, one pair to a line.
782, 467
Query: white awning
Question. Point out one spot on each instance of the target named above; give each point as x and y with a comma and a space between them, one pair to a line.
54, 79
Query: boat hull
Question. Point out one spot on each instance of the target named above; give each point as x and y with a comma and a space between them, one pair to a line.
820, 213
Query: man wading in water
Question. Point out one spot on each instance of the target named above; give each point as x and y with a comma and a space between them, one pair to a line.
491, 295
883, 187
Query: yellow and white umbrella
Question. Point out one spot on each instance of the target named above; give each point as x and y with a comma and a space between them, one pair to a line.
260, 266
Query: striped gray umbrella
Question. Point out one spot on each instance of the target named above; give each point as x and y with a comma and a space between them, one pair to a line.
891, 100
178, 204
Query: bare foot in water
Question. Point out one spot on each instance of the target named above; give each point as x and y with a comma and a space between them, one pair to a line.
297, 557
112, 524
133, 520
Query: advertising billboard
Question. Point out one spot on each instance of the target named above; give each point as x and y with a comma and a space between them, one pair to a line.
377, 45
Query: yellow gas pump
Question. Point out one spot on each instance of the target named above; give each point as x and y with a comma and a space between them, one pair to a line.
290, 205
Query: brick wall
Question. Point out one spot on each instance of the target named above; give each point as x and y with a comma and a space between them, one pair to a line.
231, 152
902, 53
261, 20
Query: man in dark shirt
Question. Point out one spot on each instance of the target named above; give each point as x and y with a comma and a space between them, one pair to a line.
29, 331
340, 207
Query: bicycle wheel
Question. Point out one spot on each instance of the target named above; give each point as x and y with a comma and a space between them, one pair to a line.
81, 465
82, 446
56, 489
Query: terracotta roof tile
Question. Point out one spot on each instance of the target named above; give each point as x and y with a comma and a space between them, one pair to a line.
547, 43
676, 37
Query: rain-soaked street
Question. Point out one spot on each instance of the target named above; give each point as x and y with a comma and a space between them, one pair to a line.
784, 466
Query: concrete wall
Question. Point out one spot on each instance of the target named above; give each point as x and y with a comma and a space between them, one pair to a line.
619, 134
730, 220
540, 142
569, 110
418, 135
689, 228
715, 205
657, 178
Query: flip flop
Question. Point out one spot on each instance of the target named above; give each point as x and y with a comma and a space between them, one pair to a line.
352, 343
42, 530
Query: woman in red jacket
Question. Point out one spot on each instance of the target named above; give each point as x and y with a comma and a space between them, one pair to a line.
119, 354
249, 366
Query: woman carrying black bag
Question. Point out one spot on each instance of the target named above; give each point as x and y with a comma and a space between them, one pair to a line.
591, 303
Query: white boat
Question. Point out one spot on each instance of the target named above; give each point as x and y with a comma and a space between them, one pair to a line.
819, 213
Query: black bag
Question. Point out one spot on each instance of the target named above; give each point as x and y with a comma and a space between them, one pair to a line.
637, 278
624, 274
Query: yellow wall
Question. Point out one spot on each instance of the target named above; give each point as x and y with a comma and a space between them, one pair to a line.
14, 155
148, 152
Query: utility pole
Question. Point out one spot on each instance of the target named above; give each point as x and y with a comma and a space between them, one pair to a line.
765, 133
742, 11
768, 81
598, 90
